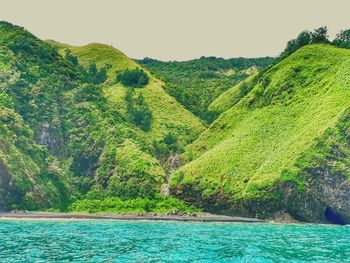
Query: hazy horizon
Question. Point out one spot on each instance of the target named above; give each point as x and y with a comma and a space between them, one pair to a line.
181, 30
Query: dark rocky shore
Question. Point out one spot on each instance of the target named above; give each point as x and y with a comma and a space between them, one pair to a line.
133, 217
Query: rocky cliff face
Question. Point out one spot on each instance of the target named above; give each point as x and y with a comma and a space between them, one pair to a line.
48, 137
173, 162
325, 197
326, 200
325, 168
8, 191
4, 186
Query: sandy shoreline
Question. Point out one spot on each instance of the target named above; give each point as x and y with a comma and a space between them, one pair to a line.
178, 218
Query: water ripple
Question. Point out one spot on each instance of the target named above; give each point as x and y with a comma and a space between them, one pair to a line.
111, 241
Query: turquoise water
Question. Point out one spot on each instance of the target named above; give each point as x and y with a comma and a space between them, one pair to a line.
112, 241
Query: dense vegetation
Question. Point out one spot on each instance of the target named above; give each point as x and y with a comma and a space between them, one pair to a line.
233, 95
135, 78
33, 77
92, 74
159, 204
139, 112
319, 35
342, 39
196, 83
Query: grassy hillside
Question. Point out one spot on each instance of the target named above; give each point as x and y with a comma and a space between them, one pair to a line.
196, 83
249, 148
232, 96
168, 115
101, 54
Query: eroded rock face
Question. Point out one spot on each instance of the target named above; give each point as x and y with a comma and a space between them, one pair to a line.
326, 200
334, 190
4, 186
173, 162
47, 137
8, 191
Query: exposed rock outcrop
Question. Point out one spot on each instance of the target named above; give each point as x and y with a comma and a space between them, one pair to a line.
327, 199
4, 186
173, 162
8, 192
48, 138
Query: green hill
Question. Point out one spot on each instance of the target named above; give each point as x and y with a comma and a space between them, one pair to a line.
68, 135
168, 114
269, 137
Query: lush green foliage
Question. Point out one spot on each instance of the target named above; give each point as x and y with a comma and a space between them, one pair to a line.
319, 35
137, 174
342, 39
139, 112
91, 74
111, 204
135, 78
167, 114
196, 83
233, 95
168, 145
32, 176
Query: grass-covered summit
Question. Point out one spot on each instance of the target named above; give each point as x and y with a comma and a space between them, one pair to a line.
168, 114
268, 135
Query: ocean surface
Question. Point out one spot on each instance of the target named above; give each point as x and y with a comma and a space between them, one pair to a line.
115, 241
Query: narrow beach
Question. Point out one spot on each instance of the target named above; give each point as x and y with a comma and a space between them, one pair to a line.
128, 217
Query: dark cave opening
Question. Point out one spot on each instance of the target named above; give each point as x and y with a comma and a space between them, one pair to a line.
332, 217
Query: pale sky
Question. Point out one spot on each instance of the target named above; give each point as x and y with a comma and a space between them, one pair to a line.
178, 29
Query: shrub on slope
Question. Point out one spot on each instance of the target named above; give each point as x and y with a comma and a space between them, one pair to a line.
136, 78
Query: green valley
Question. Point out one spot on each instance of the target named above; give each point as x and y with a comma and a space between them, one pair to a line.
196, 83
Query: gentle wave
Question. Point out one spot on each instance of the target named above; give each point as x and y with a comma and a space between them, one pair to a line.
113, 241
